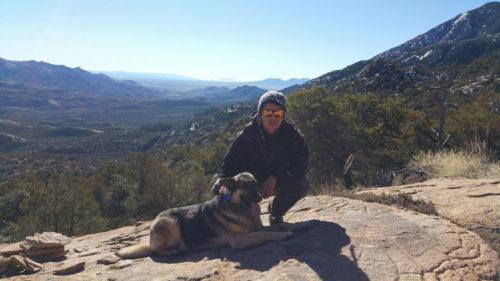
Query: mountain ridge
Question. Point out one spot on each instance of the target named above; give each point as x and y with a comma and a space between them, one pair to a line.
43, 75
484, 20
460, 40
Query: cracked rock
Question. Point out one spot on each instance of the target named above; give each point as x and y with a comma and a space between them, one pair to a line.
347, 240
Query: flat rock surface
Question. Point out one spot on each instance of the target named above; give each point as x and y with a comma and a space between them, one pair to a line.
469, 203
347, 240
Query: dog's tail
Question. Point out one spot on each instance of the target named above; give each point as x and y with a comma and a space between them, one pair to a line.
135, 251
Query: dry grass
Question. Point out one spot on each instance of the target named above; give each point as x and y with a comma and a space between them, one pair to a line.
469, 164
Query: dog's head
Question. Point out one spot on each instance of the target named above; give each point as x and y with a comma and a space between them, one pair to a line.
242, 188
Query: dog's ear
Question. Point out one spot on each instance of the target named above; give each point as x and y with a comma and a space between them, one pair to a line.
228, 184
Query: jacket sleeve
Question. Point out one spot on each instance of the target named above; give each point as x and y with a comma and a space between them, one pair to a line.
235, 160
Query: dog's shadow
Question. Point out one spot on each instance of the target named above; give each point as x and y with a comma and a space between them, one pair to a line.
319, 246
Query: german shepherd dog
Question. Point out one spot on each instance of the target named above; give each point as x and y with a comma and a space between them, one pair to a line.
227, 219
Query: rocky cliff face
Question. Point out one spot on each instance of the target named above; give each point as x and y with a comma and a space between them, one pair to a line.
347, 240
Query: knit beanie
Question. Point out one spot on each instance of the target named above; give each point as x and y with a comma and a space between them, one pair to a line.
272, 96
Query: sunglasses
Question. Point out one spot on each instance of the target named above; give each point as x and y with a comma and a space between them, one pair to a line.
278, 113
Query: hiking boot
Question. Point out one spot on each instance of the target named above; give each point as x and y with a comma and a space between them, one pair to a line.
275, 220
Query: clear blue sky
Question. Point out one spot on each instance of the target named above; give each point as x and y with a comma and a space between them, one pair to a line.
243, 40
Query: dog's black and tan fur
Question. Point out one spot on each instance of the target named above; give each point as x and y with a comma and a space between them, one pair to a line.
224, 220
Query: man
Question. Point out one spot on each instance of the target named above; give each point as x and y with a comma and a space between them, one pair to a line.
273, 150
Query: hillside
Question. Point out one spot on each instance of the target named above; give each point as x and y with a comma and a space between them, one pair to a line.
425, 60
478, 23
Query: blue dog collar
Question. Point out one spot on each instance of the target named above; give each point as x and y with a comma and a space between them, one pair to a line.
227, 197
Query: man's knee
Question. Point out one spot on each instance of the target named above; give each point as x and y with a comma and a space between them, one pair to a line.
303, 186
299, 187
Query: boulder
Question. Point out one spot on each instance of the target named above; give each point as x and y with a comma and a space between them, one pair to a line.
46, 246
44, 240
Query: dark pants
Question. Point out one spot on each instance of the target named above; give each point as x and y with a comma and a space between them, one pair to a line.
287, 194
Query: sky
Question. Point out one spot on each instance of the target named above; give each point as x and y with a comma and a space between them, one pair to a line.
219, 39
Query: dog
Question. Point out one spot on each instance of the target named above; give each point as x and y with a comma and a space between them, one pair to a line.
226, 220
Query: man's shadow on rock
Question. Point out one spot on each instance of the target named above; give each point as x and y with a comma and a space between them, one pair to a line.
319, 247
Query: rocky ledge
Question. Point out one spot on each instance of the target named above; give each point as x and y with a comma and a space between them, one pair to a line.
347, 240
471, 203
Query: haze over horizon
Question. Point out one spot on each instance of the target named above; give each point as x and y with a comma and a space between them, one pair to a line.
244, 41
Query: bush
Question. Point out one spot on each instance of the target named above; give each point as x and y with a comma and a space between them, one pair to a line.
376, 133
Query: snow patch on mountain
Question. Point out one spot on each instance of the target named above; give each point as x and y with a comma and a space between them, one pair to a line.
460, 18
425, 55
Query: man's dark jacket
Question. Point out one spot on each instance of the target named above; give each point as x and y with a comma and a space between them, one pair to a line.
283, 154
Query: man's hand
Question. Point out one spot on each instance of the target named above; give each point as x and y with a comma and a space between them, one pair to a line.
267, 188
216, 187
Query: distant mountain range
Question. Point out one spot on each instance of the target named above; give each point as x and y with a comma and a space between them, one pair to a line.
45, 76
276, 83
126, 75
32, 92
465, 49
173, 82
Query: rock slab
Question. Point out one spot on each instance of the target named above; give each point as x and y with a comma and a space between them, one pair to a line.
470, 203
347, 240
44, 240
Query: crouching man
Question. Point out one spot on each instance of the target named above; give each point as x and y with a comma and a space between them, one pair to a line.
274, 151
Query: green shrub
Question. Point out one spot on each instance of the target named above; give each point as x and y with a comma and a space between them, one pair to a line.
377, 133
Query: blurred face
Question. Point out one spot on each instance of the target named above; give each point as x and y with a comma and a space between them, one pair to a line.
272, 116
